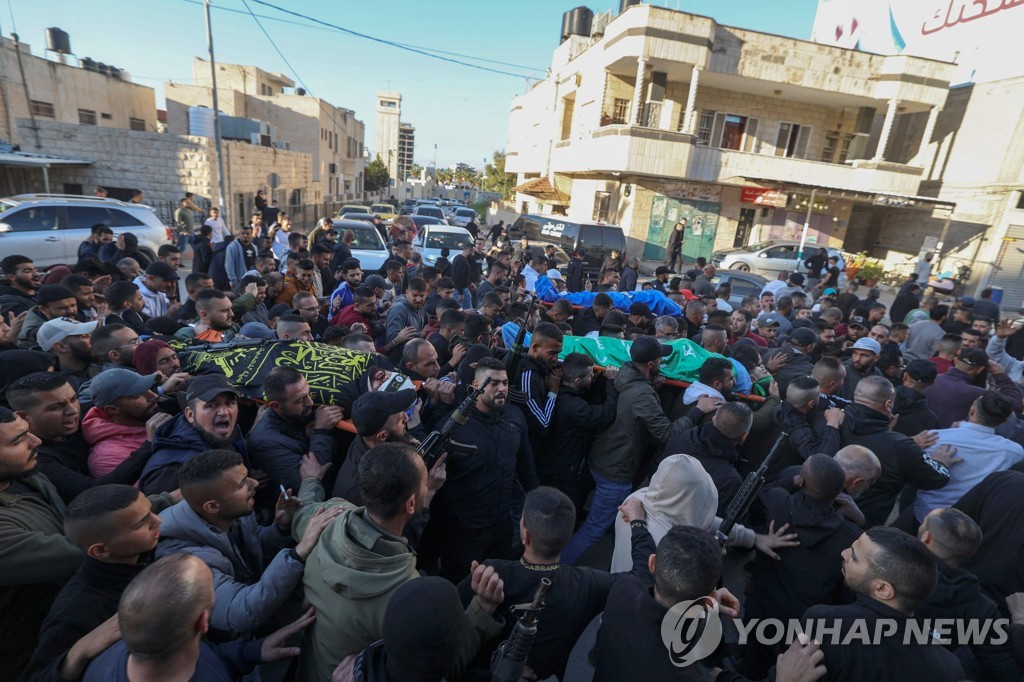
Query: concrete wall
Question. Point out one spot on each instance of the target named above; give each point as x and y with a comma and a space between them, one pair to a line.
67, 88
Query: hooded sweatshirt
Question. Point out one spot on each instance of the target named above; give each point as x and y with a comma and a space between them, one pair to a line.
681, 493
111, 443
14, 301
349, 578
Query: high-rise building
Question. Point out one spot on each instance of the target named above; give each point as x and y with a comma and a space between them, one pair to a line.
406, 145
394, 138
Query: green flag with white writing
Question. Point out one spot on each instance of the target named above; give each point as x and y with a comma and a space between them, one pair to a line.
683, 365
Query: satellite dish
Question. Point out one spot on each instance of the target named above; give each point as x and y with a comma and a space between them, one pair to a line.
274, 180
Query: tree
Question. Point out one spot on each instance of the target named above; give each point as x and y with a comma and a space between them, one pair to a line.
377, 176
497, 180
415, 170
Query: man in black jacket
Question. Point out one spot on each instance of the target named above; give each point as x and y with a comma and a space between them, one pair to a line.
20, 284
538, 378
291, 427
911, 405
892, 573
952, 536
809, 573
561, 459
117, 528
687, 566
996, 505
471, 518
577, 593
903, 461
589, 319
797, 350
714, 445
810, 430
574, 271
462, 270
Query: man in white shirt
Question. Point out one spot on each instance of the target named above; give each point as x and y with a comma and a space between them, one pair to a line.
979, 450
533, 271
220, 228
153, 285
774, 287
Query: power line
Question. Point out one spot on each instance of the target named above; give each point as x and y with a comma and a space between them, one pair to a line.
382, 41
334, 29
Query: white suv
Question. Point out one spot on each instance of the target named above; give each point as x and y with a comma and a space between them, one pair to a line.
49, 227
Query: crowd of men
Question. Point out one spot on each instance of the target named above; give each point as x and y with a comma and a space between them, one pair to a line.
156, 524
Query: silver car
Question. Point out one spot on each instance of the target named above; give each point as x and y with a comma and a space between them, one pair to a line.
769, 258
432, 211
368, 247
432, 238
462, 216
48, 228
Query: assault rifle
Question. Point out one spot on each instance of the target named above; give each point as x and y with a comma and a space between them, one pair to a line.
748, 491
510, 658
512, 363
438, 441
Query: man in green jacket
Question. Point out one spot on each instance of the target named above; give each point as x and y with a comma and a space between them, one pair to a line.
640, 423
35, 557
362, 558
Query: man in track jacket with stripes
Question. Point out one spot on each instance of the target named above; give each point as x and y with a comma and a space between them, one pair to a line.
538, 379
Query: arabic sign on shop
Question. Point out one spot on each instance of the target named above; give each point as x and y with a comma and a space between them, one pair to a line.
763, 197
976, 34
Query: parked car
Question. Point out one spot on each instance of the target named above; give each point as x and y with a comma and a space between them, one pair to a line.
48, 228
415, 222
368, 246
432, 238
368, 217
351, 208
462, 216
743, 284
385, 212
768, 258
597, 239
431, 211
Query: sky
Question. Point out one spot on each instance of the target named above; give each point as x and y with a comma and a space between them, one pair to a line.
462, 110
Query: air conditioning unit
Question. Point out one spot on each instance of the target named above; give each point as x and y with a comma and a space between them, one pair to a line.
260, 139
280, 144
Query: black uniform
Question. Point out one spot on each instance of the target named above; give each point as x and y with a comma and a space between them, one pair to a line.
915, 416
997, 504
892, 660
903, 461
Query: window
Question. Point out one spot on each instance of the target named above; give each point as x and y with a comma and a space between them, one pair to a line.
137, 124
704, 125
388, 105
34, 219
620, 110
828, 152
106, 117
124, 219
732, 131
84, 217
792, 140
568, 104
44, 109
86, 117
844, 148
602, 202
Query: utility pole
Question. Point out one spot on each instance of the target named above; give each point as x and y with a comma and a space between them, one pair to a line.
216, 119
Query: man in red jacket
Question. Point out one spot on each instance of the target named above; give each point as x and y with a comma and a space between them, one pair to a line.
361, 311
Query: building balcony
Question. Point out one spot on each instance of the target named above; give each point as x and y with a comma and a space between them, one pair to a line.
734, 167
636, 150
625, 149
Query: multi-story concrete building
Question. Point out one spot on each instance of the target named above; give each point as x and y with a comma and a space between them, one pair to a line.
395, 139
655, 115
332, 135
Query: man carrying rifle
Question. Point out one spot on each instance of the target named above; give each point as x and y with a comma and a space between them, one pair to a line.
471, 518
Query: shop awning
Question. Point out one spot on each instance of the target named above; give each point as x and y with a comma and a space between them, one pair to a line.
41, 161
880, 198
542, 189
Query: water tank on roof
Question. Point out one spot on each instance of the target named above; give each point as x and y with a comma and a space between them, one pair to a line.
58, 40
563, 35
201, 122
103, 68
300, 91
115, 72
89, 64
626, 4
577, 22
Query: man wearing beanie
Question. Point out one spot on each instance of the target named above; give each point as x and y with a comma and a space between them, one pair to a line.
55, 300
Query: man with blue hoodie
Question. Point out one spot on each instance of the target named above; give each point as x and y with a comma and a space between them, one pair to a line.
209, 420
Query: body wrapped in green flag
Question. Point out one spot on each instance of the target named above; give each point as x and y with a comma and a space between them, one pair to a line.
683, 365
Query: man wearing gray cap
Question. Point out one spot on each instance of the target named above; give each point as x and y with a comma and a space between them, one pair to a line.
70, 341
863, 357
124, 417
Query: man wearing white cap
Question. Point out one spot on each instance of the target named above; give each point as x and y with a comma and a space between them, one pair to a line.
70, 341
863, 357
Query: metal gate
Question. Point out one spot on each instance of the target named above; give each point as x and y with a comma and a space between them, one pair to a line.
1009, 270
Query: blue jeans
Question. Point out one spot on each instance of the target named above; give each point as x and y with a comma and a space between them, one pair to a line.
184, 239
465, 298
608, 495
